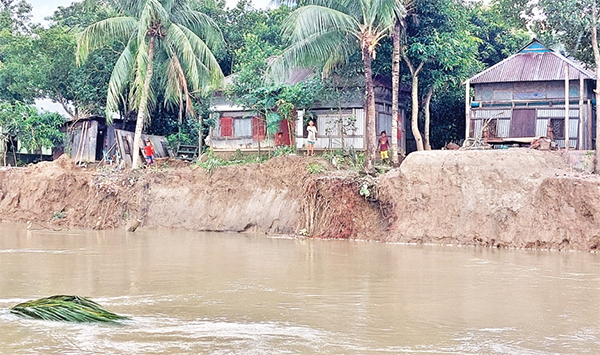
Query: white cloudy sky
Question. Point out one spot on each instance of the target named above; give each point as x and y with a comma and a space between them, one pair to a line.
44, 8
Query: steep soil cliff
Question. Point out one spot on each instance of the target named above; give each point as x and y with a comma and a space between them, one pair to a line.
278, 196
509, 198
514, 197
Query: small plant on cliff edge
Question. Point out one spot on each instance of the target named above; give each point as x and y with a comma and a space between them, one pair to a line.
59, 215
315, 168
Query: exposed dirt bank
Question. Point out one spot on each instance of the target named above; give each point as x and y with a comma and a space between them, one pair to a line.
510, 198
278, 196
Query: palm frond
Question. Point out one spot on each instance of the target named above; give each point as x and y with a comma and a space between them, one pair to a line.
177, 42
205, 59
140, 72
176, 88
119, 78
202, 25
103, 33
383, 13
130, 7
330, 47
311, 20
66, 308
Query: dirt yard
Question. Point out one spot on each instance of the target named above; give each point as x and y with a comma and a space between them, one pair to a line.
511, 198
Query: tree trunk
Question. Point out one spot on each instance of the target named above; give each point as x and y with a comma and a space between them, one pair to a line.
143, 108
597, 90
414, 120
427, 109
200, 135
395, 90
371, 135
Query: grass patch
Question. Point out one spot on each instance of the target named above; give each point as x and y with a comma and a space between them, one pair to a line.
213, 162
347, 158
315, 168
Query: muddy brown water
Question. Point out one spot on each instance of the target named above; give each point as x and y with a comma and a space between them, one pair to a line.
216, 293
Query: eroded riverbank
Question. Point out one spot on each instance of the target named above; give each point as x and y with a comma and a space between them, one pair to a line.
511, 198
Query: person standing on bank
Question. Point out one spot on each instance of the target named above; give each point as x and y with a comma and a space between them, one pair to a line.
383, 146
149, 153
312, 138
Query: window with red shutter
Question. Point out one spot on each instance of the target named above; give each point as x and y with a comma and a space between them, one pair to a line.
226, 127
259, 128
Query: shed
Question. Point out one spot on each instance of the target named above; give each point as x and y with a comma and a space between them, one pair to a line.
534, 93
340, 124
88, 139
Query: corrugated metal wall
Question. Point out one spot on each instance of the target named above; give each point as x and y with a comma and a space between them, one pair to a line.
543, 116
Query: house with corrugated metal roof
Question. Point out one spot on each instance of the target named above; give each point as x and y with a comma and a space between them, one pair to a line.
536, 92
340, 123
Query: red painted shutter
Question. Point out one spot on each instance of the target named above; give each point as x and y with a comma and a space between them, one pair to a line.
226, 127
284, 128
399, 127
259, 128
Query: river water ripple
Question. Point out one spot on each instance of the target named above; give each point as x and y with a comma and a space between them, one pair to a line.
218, 293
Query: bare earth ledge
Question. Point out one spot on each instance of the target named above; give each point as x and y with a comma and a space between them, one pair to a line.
506, 198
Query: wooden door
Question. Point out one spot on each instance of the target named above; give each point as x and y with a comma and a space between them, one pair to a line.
522, 123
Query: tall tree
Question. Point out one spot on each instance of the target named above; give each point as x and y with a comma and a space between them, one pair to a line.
15, 15
437, 36
166, 30
327, 32
575, 24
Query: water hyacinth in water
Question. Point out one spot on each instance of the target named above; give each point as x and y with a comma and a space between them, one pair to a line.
65, 308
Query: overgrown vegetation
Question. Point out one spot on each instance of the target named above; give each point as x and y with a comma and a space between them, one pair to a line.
210, 161
66, 308
32, 130
348, 158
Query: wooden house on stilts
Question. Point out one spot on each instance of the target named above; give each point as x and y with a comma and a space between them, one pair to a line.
534, 93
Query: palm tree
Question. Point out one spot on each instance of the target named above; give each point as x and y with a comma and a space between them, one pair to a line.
395, 86
183, 38
328, 32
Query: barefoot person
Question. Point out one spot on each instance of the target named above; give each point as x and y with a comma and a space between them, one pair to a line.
383, 146
149, 153
312, 138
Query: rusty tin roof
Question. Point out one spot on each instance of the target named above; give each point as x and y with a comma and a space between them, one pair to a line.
534, 62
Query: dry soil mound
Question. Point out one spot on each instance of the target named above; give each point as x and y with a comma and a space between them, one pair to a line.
514, 197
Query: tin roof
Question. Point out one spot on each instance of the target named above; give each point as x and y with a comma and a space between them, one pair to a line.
534, 62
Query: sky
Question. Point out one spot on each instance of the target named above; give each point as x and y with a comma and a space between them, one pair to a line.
44, 8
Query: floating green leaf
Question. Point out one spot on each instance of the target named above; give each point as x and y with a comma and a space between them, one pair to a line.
65, 308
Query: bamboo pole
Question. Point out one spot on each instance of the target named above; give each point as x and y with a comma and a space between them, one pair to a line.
590, 113
567, 145
580, 138
467, 108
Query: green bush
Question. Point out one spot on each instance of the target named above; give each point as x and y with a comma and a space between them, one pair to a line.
315, 168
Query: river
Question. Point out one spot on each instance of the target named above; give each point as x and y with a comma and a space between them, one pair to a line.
218, 293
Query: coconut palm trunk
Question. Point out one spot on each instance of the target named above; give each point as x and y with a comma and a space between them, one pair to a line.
371, 137
395, 90
143, 108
